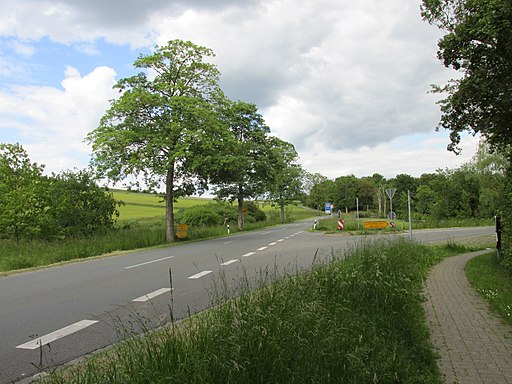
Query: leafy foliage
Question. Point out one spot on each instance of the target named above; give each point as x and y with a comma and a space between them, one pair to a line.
478, 44
20, 182
55, 207
163, 129
248, 161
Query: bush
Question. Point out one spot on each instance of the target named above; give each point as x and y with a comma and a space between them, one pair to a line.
207, 215
254, 213
34, 206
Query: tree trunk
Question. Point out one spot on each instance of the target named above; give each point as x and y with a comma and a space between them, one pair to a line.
169, 205
282, 212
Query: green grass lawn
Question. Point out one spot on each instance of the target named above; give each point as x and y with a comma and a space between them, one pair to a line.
493, 283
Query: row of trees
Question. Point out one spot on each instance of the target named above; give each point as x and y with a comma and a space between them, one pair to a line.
473, 190
172, 125
49, 207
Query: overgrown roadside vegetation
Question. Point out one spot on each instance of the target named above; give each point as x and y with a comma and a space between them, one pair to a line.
492, 281
356, 319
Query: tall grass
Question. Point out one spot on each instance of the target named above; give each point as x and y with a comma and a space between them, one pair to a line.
358, 319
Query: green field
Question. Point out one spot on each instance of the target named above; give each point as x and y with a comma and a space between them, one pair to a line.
145, 205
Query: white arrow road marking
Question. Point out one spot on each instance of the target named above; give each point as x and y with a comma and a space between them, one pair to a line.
229, 262
149, 262
152, 295
36, 343
200, 274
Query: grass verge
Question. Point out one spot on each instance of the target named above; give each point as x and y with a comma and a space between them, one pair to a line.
356, 319
355, 226
128, 235
493, 283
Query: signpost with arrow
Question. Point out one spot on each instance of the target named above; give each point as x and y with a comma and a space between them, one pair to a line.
391, 192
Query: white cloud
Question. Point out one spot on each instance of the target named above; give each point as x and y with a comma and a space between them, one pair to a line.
54, 121
331, 76
412, 155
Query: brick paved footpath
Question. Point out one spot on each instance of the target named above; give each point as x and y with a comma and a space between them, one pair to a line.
473, 345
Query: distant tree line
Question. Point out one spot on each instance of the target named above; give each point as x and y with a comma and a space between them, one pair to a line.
475, 190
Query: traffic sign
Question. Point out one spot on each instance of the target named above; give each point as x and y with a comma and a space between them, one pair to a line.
375, 224
392, 215
390, 192
327, 208
182, 231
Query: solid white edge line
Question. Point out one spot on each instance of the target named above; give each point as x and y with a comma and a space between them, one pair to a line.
152, 295
43, 340
148, 262
249, 254
200, 274
229, 262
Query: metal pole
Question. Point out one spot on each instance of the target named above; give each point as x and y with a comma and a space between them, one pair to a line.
410, 219
357, 209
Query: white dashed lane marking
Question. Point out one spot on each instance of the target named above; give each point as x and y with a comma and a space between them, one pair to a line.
261, 249
200, 274
229, 262
152, 295
40, 341
149, 262
272, 244
248, 254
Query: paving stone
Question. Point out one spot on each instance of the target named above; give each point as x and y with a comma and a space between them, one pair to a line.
473, 345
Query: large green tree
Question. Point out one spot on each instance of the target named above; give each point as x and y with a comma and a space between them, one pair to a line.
247, 162
163, 128
287, 175
478, 44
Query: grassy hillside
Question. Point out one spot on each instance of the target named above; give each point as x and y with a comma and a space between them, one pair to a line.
143, 205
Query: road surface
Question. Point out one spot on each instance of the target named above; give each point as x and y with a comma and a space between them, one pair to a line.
55, 315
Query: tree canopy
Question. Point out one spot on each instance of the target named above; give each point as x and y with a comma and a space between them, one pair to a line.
164, 127
478, 44
248, 155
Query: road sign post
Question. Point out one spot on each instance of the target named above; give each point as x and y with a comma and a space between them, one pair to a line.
328, 208
391, 192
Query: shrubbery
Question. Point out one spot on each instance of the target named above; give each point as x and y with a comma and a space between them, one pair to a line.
218, 213
35, 206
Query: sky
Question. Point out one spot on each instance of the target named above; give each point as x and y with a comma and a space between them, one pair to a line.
347, 82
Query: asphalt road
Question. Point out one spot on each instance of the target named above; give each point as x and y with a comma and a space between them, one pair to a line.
54, 315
